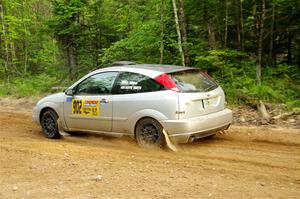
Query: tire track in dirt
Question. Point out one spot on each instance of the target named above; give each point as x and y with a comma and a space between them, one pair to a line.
242, 164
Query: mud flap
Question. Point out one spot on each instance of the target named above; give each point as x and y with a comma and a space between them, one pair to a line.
170, 145
223, 132
60, 128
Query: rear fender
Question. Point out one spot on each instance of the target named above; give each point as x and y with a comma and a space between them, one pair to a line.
131, 123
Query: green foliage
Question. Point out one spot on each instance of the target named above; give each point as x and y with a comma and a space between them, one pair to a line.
265, 92
41, 47
141, 45
28, 86
285, 81
138, 25
235, 72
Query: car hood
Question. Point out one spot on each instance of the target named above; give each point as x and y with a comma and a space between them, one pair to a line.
56, 98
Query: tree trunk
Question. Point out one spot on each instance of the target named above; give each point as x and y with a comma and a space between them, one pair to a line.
298, 56
226, 24
260, 33
263, 111
178, 32
242, 26
271, 53
210, 30
25, 55
211, 36
239, 24
25, 41
98, 45
162, 27
289, 46
259, 28
53, 50
4, 37
71, 61
13, 55
183, 26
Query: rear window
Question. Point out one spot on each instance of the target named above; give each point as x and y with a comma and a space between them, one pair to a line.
193, 81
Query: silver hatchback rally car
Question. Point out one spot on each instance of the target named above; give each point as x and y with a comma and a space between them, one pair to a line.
139, 100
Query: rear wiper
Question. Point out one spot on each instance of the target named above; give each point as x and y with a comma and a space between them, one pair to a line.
209, 87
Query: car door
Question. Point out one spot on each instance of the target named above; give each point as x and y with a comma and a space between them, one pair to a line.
90, 108
136, 94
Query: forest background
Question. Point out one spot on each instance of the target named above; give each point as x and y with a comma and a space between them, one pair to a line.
251, 47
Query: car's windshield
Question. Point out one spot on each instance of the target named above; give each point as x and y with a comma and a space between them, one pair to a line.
193, 81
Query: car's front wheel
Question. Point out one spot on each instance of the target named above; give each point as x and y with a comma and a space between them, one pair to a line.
49, 124
148, 133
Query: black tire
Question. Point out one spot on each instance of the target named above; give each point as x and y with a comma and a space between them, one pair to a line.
49, 124
148, 133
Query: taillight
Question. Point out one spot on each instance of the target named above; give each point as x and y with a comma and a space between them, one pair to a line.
165, 80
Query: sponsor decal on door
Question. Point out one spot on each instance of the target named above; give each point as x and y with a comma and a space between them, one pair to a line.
85, 107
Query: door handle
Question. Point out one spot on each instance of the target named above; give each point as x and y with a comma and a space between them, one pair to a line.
103, 101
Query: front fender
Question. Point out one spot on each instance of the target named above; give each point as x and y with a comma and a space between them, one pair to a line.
56, 107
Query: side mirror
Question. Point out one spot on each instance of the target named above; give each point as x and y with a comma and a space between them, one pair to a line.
69, 92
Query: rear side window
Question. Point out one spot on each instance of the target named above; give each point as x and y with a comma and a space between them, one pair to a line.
128, 83
193, 81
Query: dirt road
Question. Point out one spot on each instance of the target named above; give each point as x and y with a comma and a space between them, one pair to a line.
245, 163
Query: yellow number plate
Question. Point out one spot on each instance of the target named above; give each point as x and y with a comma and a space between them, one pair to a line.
85, 107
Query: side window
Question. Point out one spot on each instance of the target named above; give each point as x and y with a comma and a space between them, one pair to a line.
100, 83
135, 83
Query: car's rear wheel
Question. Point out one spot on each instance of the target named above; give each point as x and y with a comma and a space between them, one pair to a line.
49, 124
148, 133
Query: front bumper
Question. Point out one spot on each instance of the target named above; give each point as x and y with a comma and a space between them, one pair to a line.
182, 131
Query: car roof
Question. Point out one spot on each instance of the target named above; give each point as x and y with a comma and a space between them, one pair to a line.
150, 70
159, 67
156, 68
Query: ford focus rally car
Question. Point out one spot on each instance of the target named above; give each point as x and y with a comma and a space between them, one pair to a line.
139, 100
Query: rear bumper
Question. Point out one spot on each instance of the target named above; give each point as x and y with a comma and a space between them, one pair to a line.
182, 131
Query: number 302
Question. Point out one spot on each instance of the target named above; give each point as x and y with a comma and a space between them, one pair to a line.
77, 104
